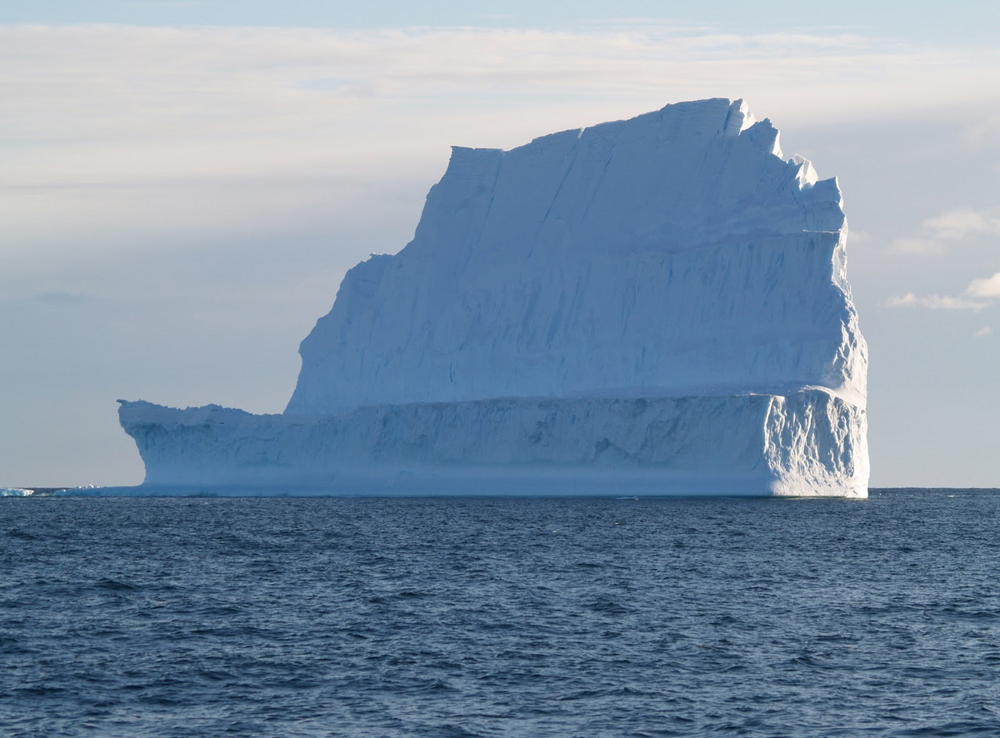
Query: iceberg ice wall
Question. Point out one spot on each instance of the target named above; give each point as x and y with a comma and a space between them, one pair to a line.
660, 301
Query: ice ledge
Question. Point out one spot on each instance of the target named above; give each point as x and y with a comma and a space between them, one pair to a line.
809, 443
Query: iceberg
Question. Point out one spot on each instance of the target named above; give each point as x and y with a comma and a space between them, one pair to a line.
652, 306
16, 492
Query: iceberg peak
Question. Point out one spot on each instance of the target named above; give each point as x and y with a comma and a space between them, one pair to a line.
738, 119
594, 260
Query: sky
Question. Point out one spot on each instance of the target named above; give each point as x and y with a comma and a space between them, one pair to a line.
184, 184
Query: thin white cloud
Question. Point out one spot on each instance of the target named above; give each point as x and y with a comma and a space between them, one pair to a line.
936, 302
983, 332
985, 131
916, 247
119, 129
62, 298
978, 295
956, 225
986, 288
939, 235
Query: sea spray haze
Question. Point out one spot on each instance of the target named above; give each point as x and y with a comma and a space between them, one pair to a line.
658, 305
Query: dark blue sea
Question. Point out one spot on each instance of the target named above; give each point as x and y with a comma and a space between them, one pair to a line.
501, 617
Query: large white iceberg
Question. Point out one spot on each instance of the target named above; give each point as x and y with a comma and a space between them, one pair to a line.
651, 306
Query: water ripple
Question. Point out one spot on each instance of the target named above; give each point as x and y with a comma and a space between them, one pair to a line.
493, 617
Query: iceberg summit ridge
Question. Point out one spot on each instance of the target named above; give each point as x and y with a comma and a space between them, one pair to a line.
657, 304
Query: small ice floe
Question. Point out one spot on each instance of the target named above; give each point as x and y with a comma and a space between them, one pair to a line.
16, 492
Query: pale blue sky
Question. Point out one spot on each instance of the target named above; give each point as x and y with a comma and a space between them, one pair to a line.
183, 186
963, 22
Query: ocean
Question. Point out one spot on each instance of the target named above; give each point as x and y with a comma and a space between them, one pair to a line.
501, 616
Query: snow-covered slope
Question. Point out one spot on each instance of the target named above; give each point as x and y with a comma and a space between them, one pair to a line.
660, 299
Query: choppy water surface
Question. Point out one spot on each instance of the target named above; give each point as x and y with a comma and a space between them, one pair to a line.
489, 617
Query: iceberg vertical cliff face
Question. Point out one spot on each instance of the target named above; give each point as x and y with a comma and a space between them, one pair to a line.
674, 260
674, 252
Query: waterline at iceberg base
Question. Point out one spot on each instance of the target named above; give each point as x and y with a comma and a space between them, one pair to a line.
653, 306
807, 443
